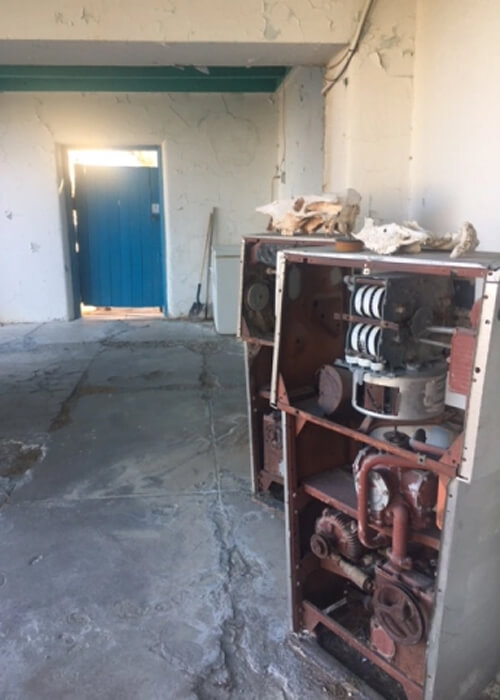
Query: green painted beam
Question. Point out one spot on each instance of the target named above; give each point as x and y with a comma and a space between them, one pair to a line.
140, 79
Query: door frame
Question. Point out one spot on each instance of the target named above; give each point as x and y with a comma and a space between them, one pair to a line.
70, 237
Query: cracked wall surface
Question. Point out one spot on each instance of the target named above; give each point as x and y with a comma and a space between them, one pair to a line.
404, 133
369, 114
218, 151
413, 125
273, 21
301, 132
456, 149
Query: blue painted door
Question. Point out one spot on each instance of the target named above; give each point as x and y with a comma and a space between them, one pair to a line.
119, 236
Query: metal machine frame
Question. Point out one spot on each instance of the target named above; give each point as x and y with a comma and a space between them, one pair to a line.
460, 652
259, 354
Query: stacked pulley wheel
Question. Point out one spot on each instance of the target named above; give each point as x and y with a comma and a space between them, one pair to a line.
369, 301
363, 339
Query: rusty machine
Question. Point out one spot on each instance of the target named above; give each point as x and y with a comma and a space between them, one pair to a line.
387, 371
256, 330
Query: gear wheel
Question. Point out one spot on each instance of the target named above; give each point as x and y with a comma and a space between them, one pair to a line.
336, 531
399, 613
258, 310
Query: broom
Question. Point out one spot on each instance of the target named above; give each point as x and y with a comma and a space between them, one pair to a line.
198, 307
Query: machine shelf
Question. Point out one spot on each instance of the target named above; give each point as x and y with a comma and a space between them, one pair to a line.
302, 410
336, 489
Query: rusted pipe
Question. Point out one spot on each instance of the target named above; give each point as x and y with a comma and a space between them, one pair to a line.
380, 459
435, 343
433, 450
398, 554
445, 330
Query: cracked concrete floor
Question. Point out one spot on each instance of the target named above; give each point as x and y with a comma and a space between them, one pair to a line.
134, 562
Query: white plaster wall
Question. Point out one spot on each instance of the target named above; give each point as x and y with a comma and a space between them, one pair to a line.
275, 21
219, 150
456, 143
368, 114
32, 265
301, 132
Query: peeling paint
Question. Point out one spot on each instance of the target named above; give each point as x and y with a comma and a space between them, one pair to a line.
270, 32
391, 41
378, 58
368, 138
170, 8
196, 21
61, 19
87, 16
293, 17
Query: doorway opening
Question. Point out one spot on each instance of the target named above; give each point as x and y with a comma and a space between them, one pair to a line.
117, 221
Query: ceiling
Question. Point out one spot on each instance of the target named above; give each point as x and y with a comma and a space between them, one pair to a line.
152, 53
148, 66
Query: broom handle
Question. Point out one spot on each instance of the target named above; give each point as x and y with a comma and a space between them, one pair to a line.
210, 241
205, 249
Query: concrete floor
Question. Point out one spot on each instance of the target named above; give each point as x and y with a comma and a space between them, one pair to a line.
134, 562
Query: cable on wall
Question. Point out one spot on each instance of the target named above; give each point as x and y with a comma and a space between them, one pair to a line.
347, 56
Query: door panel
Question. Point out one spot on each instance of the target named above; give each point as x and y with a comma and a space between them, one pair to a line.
119, 236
